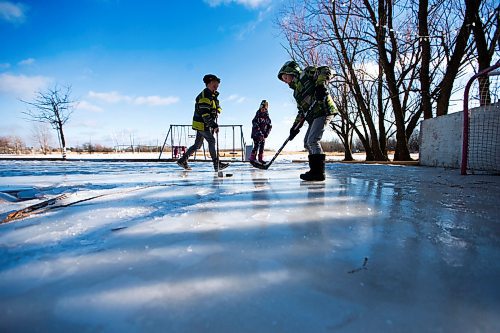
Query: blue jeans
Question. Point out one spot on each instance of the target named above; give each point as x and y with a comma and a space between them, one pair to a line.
315, 133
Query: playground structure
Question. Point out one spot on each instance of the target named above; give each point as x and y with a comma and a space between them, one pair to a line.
231, 143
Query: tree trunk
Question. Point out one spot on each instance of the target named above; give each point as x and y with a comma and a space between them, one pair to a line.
347, 152
373, 152
446, 86
344, 137
483, 58
425, 46
402, 152
380, 105
63, 140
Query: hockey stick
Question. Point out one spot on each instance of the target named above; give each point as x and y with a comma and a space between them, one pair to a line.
219, 173
297, 126
19, 214
50, 204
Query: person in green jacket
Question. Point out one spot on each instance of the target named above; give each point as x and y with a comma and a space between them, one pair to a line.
309, 85
206, 112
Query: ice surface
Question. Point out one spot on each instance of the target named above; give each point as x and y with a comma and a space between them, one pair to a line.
153, 248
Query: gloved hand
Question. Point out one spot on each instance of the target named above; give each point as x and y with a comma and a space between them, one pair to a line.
320, 92
259, 138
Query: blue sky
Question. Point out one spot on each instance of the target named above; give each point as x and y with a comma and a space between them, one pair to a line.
136, 66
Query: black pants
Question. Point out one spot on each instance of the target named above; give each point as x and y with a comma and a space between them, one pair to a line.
258, 146
198, 142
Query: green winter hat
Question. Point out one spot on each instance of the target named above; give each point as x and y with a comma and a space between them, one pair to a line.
290, 67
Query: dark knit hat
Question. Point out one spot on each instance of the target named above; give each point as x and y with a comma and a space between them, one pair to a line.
209, 78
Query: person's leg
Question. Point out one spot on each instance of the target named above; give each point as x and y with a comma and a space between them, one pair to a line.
317, 165
306, 146
261, 151
198, 142
316, 156
197, 145
211, 143
213, 152
254, 150
314, 135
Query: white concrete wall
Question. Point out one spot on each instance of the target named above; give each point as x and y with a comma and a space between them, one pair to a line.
441, 141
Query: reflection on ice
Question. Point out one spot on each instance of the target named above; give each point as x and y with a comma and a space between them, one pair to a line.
258, 252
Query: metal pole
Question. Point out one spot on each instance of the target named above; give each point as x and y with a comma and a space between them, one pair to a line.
166, 138
243, 144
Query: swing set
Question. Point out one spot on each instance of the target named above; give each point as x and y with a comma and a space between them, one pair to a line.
231, 142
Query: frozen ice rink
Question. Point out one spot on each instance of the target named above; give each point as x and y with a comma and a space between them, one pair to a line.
147, 247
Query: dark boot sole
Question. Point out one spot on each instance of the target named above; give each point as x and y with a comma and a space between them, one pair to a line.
185, 168
312, 178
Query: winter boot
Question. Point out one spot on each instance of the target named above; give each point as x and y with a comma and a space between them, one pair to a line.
252, 157
307, 173
182, 162
317, 172
261, 159
218, 166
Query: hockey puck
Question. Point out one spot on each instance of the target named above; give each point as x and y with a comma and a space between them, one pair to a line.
229, 174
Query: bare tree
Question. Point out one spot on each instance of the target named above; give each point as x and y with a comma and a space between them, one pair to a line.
455, 50
343, 125
486, 38
425, 47
18, 144
382, 16
4, 145
42, 136
317, 34
356, 53
421, 48
53, 107
11, 144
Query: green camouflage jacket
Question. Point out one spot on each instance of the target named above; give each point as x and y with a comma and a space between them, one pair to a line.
304, 93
